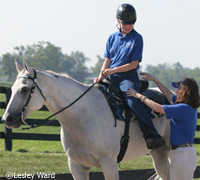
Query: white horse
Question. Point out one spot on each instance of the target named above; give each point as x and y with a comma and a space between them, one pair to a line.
88, 134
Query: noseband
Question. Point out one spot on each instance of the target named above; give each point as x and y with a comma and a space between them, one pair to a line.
34, 79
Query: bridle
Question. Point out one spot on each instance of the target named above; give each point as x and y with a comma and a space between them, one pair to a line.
34, 79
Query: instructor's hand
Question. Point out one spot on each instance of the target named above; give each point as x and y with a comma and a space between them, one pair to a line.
131, 92
147, 76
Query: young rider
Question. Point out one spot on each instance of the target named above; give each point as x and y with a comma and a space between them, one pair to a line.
122, 57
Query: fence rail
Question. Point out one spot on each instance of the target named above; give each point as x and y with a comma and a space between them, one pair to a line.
8, 136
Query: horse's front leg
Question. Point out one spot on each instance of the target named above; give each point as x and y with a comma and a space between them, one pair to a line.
109, 168
79, 172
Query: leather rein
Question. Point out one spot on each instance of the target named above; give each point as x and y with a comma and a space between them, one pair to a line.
34, 85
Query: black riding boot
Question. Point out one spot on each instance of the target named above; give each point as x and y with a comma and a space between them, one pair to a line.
152, 138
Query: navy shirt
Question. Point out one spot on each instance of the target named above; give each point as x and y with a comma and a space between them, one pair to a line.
183, 122
122, 49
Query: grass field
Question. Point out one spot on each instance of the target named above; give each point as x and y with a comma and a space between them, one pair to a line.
34, 156
48, 156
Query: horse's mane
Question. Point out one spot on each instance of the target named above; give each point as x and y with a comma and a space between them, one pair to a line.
62, 76
54, 73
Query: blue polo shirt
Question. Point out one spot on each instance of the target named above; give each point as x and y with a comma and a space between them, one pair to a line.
183, 122
122, 49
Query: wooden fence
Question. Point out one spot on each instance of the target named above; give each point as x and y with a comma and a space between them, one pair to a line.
9, 136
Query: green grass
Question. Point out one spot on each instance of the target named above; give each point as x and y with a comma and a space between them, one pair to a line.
48, 156
33, 162
6, 84
34, 156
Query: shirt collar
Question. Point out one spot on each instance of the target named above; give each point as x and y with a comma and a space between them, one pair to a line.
126, 35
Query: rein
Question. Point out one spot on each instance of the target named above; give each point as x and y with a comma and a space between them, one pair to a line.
34, 79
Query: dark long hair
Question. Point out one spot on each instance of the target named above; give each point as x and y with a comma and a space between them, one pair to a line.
188, 93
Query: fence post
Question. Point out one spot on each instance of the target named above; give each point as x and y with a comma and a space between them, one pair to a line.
8, 139
8, 132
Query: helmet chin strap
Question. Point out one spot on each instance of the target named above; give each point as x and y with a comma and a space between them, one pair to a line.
118, 26
120, 29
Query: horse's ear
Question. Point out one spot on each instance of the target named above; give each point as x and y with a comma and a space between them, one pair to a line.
27, 67
18, 66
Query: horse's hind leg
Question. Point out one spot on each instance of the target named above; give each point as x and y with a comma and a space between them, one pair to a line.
161, 163
109, 168
79, 172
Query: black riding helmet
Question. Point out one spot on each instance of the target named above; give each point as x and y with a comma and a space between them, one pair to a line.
126, 14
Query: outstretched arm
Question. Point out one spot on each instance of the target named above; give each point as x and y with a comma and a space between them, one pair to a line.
168, 94
153, 105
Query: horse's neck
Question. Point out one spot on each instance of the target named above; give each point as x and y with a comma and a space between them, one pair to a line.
59, 93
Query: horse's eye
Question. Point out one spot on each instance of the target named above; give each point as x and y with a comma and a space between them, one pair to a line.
24, 90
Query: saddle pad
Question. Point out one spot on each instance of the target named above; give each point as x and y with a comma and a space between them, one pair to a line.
119, 107
116, 105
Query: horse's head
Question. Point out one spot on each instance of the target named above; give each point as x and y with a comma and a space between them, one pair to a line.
26, 97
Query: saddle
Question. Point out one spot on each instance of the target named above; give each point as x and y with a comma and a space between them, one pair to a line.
115, 90
114, 96
121, 110
115, 99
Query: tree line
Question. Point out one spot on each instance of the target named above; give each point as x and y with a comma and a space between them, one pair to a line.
47, 56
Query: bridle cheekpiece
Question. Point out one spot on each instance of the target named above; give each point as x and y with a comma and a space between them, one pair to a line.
34, 79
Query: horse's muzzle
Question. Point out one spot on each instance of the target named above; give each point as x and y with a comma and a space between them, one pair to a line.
11, 122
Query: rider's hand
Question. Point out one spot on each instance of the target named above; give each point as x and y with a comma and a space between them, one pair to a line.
108, 72
96, 80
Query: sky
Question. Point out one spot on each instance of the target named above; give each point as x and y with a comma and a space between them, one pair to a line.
170, 28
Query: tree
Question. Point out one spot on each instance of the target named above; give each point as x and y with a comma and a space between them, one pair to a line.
74, 66
167, 73
8, 70
67, 64
97, 68
45, 55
